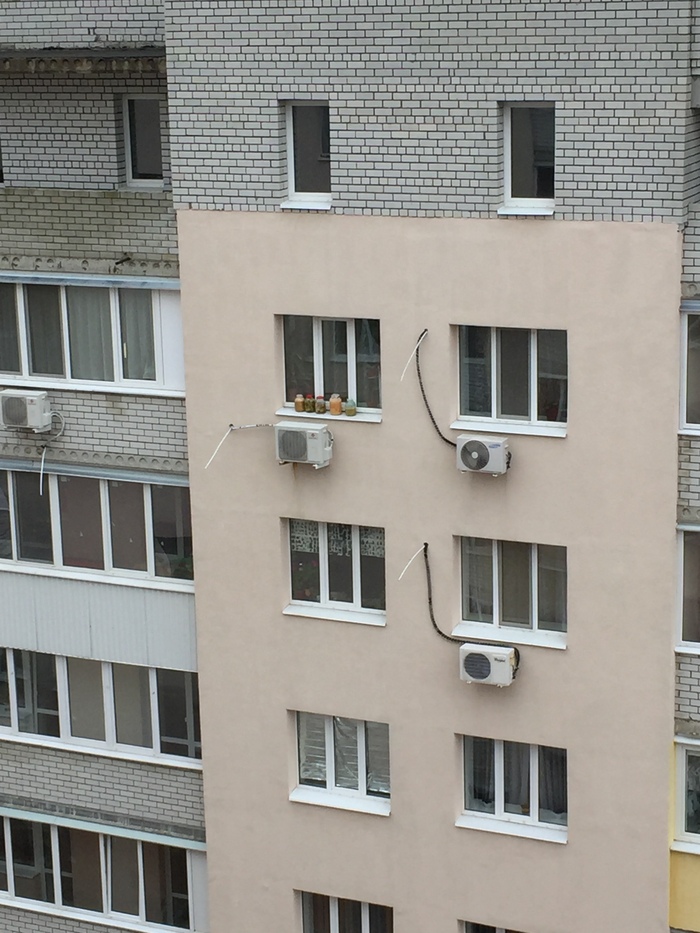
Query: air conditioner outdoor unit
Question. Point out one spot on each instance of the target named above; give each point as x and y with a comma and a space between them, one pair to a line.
482, 454
28, 410
487, 664
303, 442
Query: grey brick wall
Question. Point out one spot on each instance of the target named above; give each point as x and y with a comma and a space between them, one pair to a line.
687, 691
416, 93
112, 791
688, 478
103, 429
80, 23
25, 921
66, 131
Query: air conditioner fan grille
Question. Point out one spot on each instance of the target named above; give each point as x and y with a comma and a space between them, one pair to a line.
292, 445
475, 455
477, 666
14, 411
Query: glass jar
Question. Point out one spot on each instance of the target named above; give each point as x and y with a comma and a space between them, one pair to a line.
309, 404
350, 408
320, 405
335, 404
299, 402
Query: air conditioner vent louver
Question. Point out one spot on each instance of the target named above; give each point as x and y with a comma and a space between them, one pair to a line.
477, 666
292, 445
14, 412
303, 442
28, 410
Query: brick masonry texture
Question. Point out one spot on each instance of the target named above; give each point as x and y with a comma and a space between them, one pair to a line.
688, 688
112, 791
80, 23
103, 429
25, 921
689, 478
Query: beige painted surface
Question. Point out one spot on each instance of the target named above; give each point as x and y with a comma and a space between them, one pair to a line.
607, 492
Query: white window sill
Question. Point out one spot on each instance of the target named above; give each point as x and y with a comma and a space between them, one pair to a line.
690, 650
317, 796
144, 184
114, 921
503, 426
43, 741
512, 827
690, 742
291, 204
692, 430
173, 584
690, 848
66, 385
358, 616
526, 210
493, 633
373, 417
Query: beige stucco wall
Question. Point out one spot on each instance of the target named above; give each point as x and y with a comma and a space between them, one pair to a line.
607, 492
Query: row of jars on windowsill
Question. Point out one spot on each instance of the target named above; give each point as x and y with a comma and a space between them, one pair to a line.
319, 406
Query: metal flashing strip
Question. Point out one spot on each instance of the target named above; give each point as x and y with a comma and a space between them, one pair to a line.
151, 282
690, 304
102, 51
98, 472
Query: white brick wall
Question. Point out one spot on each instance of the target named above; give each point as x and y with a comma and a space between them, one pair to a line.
80, 23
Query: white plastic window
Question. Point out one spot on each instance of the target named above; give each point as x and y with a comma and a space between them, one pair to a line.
345, 756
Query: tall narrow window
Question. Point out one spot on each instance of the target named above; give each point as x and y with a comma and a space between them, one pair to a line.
90, 333
138, 340
132, 704
37, 693
309, 150
6, 549
81, 522
178, 712
85, 694
81, 877
9, 336
691, 587
530, 156
145, 159
166, 892
172, 531
33, 517
32, 860
45, 332
128, 531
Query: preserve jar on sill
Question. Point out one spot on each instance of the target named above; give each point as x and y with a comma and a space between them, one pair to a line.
299, 402
335, 405
350, 408
309, 406
320, 405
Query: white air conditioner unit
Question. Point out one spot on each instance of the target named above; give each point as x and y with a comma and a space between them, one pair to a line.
303, 442
28, 410
488, 664
482, 454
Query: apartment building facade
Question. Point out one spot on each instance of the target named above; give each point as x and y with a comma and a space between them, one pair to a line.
504, 193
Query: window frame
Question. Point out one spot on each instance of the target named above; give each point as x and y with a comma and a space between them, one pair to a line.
684, 646
688, 308
502, 821
334, 925
494, 423
109, 573
108, 747
326, 608
332, 795
683, 839
496, 630
131, 182
303, 200
55, 907
514, 205
168, 352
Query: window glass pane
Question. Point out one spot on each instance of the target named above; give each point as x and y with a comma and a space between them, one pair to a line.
532, 152
372, 578
37, 693
552, 370
5, 719
3, 857
304, 560
513, 373
315, 909
345, 749
81, 522
551, 587
127, 526
298, 356
33, 518
377, 755
340, 563
515, 583
368, 363
124, 875
691, 586
311, 731
553, 790
478, 928
132, 705
478, 769
81, 873
90, 333
349, 916
335, 358
138, 343
475, 371
477, 579
692, 408
172, 531
5, 528
381, 919
178, 711
31, 860
44, 326
692, 794
9, 340
516, 778
144, 137
165, 885
312, 157
87, 718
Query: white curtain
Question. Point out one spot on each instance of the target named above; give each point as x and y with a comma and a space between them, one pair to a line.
138, 347
90, 333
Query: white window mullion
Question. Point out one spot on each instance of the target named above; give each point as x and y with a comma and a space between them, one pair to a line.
106, 524
63, 697
361, 758
364, 913
108, 701
330, 754
22, 330
499, 778
318, 356
8, 856
352, 361
684, 370
155, 720
496, 564
104, 873
534, 589
533, 376
63, 303
13, 517
534, 783
12, 683
142, 887
56, 866
156, 318
190, 889
117, 345
495, 374
356, 580
51, 485
150, 535
323, 562
335, 921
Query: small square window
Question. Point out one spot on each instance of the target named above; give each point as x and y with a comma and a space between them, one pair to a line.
144, 158
529, 148
308, 152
